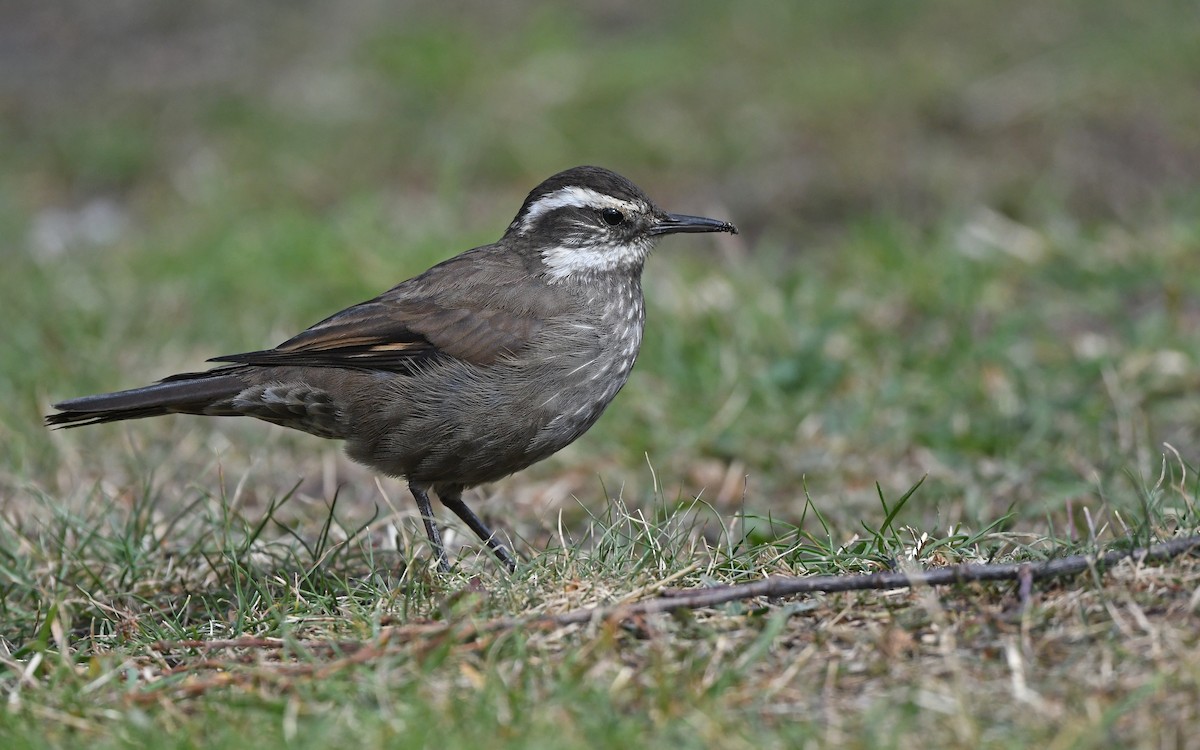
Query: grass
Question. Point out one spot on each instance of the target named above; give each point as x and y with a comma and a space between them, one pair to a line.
100, 606
957, 326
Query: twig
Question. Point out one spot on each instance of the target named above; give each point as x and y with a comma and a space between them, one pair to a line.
674, 599
411, 631
1025, 586
393, 639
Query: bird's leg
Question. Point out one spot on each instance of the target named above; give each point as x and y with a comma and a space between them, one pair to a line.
452, 499
431, 529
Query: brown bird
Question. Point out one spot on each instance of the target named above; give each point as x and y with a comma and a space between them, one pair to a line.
484, 364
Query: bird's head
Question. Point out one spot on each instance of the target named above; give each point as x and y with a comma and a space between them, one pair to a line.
587, 221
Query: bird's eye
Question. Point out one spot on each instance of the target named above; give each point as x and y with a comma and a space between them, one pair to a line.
612, 216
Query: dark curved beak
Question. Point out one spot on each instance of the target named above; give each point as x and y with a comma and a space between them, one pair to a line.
678, 223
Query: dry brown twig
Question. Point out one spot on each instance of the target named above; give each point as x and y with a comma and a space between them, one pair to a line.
675, 599
198, 677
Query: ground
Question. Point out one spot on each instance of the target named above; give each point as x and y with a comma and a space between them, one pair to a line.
958, 326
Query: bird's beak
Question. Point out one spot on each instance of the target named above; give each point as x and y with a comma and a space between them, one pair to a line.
677, 223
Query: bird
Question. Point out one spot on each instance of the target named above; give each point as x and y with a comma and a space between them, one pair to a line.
484, 364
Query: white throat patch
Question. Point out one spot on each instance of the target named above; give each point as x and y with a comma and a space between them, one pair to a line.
564, 262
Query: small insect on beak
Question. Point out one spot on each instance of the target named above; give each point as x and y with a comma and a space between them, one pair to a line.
681, 223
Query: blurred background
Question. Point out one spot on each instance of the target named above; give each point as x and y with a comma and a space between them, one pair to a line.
968, 251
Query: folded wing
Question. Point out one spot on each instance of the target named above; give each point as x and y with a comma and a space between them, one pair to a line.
474, 308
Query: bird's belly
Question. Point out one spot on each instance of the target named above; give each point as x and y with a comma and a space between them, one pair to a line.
566, 412
464, 425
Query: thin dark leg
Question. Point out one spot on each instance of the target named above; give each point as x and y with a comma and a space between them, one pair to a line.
431, 529
452, 499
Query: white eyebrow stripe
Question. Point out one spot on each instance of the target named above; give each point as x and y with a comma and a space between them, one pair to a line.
572, 196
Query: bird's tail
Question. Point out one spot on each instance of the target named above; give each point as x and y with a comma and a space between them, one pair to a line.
189, 393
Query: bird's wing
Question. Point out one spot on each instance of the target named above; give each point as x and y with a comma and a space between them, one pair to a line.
471, 308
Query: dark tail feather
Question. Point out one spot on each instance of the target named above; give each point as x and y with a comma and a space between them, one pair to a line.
190, 393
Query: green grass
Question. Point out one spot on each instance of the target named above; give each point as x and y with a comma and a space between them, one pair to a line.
100, 591
969, 265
